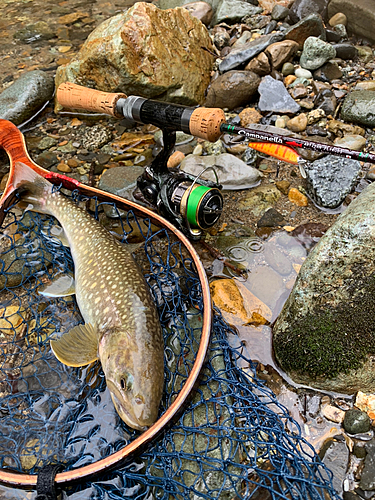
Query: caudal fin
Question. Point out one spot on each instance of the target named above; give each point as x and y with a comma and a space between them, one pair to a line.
32, 187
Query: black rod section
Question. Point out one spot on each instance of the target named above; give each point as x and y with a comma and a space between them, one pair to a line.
260, 136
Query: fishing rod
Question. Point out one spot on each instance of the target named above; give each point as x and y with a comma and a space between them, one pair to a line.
190, 202
261, 136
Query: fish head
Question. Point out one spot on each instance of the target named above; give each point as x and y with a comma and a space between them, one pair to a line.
133, 379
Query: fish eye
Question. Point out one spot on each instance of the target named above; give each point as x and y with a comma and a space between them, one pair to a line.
127, 383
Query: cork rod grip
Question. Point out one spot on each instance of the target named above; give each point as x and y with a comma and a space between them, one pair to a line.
71, 95
205, 123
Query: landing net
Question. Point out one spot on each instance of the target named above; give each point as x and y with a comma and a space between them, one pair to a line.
233, 439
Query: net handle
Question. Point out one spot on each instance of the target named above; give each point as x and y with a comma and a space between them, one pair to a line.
13, 142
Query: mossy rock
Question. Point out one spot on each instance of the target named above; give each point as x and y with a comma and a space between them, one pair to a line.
325, 334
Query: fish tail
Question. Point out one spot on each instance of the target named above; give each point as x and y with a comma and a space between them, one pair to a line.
31, 186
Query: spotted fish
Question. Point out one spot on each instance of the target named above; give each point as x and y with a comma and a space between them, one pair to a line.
121, 326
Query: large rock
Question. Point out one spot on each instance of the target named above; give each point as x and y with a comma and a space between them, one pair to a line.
303, 8
146, 51
21, 100
325, 334
360, 15
359, 107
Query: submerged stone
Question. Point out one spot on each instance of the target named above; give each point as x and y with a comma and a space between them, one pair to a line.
21, 100
324, 336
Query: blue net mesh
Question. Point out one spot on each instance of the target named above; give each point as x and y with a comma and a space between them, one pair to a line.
233, 439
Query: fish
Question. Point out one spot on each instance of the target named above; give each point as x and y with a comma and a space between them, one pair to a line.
121, 324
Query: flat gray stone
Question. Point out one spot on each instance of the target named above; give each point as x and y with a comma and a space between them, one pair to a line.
232, 172
274, 97
248, 51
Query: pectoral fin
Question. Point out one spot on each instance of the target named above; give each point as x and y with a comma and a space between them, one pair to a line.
62, 286
78, 347
56, 233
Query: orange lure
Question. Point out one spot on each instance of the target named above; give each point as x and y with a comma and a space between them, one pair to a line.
278, 151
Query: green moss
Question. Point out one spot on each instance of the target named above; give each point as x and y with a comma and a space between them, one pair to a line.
331, 340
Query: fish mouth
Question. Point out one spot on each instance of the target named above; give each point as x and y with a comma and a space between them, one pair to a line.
126, 416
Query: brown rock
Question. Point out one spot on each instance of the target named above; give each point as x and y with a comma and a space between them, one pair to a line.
145, 51
201, 10
63, 167
259, 65
338, 18
283, 186
281, 52
237, 304
72, 163
232, 89
297, 197
297, 123
289, 79
72, 18
268, 5
249, 116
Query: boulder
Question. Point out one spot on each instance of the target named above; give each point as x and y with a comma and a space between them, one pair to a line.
148, 52
324, 336
360, 15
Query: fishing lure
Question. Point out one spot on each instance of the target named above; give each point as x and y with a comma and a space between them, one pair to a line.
281, 152
278, 151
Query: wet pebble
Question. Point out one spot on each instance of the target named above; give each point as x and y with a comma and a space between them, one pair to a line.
311, 25
277, 260
34, 32
338, 18
303, 73
298, 123
271, 218
351, 141
356, 421
367, 481
328, 72
298, 198
279, 12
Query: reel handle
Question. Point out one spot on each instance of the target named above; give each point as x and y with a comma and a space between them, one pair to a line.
70, 95
200, 122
